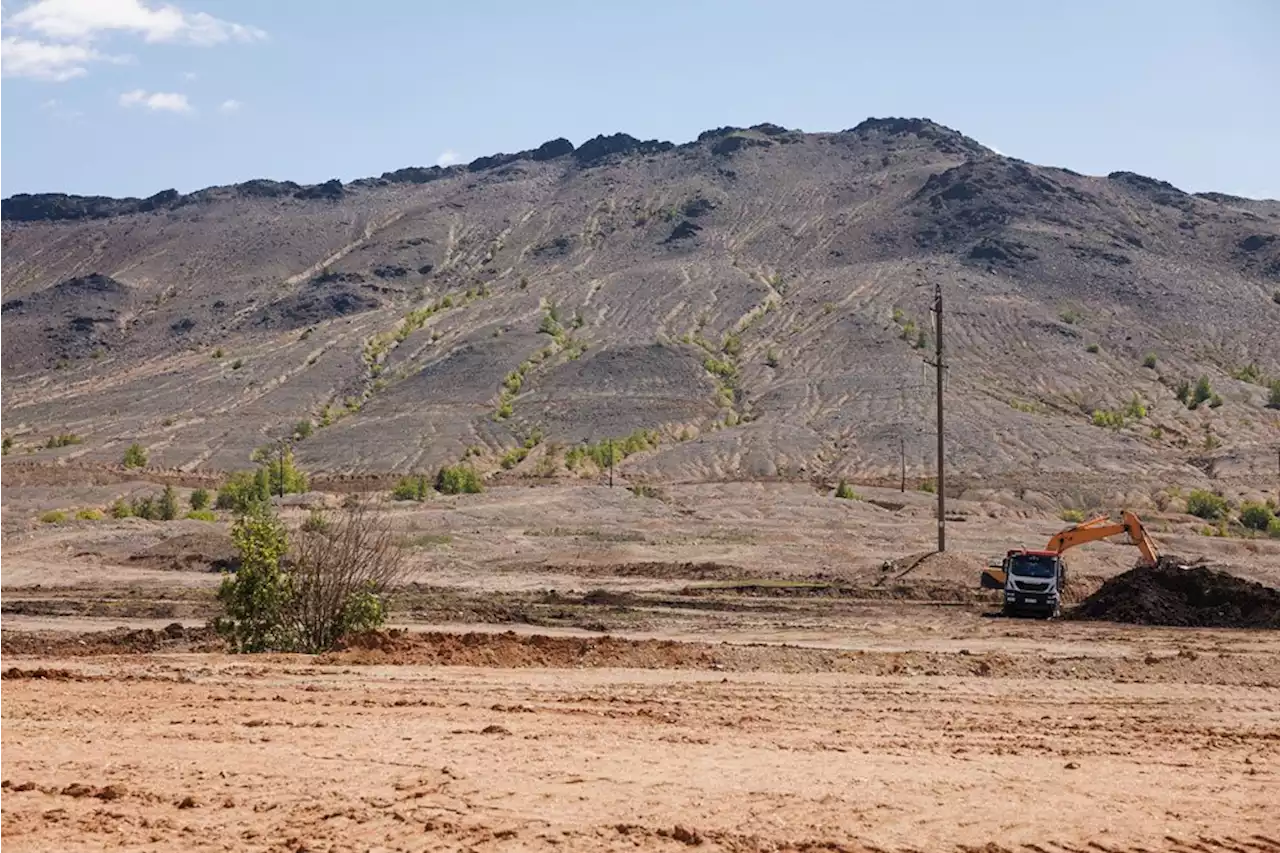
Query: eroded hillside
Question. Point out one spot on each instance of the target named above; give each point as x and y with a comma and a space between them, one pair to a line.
756, 300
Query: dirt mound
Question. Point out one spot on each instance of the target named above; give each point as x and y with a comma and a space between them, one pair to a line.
1195, 597
203, 551
121, 641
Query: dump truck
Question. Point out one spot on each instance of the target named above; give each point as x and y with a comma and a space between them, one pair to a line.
1033, 580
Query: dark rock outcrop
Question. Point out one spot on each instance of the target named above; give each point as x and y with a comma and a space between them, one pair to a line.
330, 190
601, 147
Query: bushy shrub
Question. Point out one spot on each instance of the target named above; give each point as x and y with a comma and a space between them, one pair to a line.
1256, 516
1206, 505
1203, 392
304, 592
302, 429
200, 499
168, 505
65, 439
1149, 360
135, 456
53, 516
1273, 399
121, 509
1072, 516
846, 492
202, 515
415, 487
91, 514
243, 490
457, 480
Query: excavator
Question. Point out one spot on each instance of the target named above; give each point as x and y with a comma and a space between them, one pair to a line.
1033, 580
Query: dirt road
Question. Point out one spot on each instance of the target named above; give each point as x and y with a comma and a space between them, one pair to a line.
609, 748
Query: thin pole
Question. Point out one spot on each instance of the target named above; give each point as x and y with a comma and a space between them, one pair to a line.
282, 468
611, 463
938, 366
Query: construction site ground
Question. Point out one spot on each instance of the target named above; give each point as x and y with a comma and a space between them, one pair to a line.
574, 668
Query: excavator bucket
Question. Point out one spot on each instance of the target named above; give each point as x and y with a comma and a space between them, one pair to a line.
993, 578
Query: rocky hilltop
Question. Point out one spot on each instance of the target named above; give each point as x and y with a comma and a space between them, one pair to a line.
753, 304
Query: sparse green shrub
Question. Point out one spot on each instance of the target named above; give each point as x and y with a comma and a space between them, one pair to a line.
283, 475
1214, 401
504, 411
65, 439
513, 457
256, 596
53, 516
930, 485
7, 445
199, 499
121, 508
202, 515
1069, 316
1273, 399
1072, 516
1250, 373
457, 480
414, 487
1135, 409
618, 448
1273, 528
644, 490
244, 490
1205, 504
135, 456
771, 357
1183, 392
316, 522
732, 345
217, 353
302, 429
1093, 349
1108, 419
91, 514
922, 339
1256, 516
1202, 392
1149, 360
168, 506
719, 367
146, 507
844, 491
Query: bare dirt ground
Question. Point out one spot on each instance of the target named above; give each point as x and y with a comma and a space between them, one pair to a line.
590, 670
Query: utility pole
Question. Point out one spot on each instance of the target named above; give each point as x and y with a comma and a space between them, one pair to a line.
611, 463
939, 367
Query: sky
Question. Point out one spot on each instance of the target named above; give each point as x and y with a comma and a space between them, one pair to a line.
130, 97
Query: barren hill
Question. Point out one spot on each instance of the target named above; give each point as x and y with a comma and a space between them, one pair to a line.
757, 299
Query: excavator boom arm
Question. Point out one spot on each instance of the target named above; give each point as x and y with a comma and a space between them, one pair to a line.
1103, 527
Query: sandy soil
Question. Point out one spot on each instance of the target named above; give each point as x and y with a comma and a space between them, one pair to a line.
579, 670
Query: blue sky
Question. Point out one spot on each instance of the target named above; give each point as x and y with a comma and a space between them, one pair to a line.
128, 97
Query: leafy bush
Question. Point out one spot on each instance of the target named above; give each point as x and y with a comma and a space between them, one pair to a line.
1273, 528
1135, 409
283, 476
65, 439
53, 516
200, 499
1256, 516
90, 514
1273, 399
771, 357
306, 591
1071, 516
513, 457
135, 456
217, 353
1104, 418
237, 364
317, 522
1206, 505
457, 480
302, 429
1092, 348
414, 487
121, 509
719, 367
930, 485
618, 449
845, 491
1149, 360
8, 444
202, 515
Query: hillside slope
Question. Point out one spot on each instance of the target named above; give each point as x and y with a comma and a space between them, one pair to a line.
757, 298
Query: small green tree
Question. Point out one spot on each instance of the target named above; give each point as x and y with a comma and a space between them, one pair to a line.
135, 456
415, 487
846, 492
243, 490
200, 499
255, 597
168, 507
121, 508
282, 474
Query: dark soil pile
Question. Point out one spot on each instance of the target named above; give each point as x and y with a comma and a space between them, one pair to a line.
1195, 597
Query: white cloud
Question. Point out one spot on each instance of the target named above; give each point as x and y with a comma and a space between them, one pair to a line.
448, 158
83, 20
189, 75
230, 105
58, 110
39, 60
156, 101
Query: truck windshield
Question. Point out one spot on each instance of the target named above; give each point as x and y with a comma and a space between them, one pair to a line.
1033, 565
